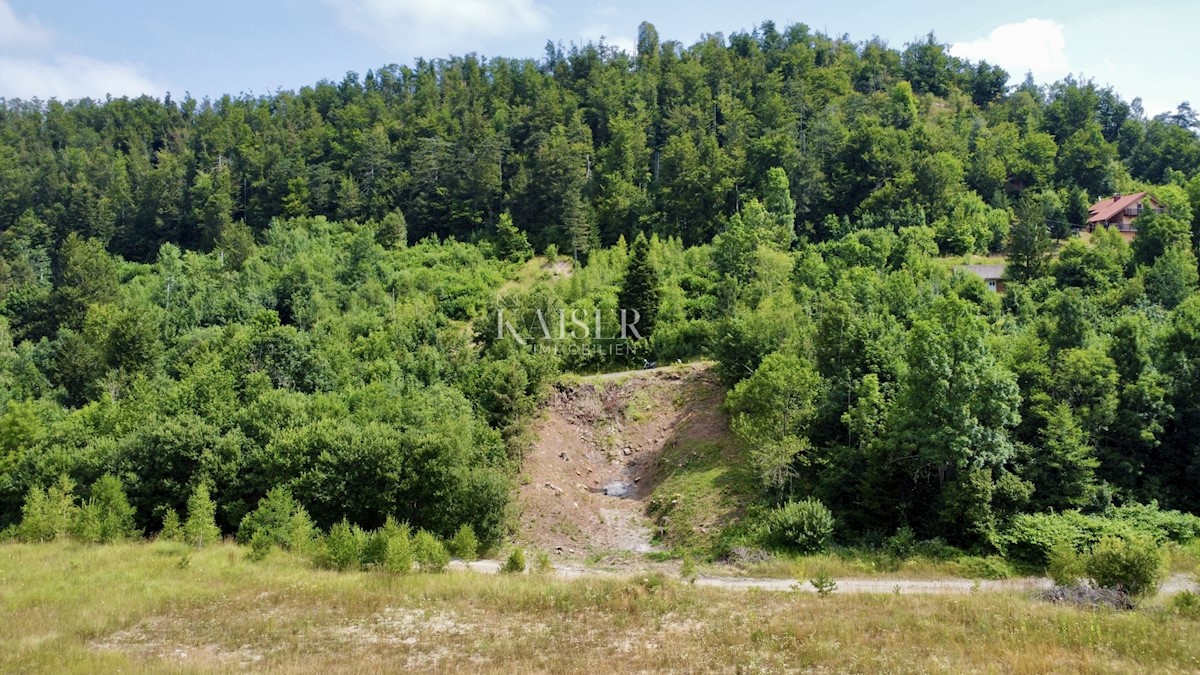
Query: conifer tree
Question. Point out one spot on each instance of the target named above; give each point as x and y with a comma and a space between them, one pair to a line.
640, 290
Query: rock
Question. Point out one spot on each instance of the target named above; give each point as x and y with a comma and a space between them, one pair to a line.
564, 457
627, 452
554, 487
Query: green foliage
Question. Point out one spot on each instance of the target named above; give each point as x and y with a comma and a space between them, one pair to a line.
1132, 566
1065, 566
344, 546
687, 569
172, 529
464, 545
226, 295
823, 584
398, 555
1030, 537
429, 552
542, 563
48, 514
512, 244
200, 529
771, 412
640, 291
106, 515
278, 521
805, 526
515, 563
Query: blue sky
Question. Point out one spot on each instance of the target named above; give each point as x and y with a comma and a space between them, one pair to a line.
56, 48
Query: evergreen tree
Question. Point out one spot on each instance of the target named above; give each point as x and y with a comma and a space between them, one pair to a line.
1028, 243
640, 290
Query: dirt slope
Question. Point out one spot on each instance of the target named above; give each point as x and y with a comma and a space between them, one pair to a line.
603, 449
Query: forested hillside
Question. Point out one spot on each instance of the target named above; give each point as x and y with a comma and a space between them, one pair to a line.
300, 289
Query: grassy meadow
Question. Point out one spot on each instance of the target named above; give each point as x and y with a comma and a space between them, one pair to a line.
66, 607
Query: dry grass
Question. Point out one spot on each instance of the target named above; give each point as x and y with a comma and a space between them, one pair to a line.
71, 608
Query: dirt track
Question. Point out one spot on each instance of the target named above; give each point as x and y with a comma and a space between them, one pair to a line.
1175, 584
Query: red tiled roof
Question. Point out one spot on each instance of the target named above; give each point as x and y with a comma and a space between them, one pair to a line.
1107, 209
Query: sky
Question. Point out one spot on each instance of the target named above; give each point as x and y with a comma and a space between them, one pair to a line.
69, 49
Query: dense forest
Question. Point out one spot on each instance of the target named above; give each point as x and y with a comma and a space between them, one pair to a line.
300, 289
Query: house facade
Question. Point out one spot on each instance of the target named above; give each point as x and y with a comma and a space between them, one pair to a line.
1120, 212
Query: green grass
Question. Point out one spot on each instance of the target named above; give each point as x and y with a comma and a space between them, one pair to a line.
703, 486
70, 608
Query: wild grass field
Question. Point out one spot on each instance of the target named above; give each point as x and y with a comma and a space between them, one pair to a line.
66, 607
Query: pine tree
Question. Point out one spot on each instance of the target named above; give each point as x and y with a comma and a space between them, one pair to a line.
640, 290
201, 529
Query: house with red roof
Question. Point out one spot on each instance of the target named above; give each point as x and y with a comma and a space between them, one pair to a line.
1120, 211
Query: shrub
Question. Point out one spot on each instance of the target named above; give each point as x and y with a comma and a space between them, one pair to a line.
902, 544
515, 563
260, 546
281, 521
271, 517
201, 529
805, 526
430, 553
824, 584
990, 567
1132, 566
465, 545
398, 558
48, 514
171, 530
1065, 567
1186, 604
106, 516
542, 563
1031, 536
343, 546
687, 569
301, 534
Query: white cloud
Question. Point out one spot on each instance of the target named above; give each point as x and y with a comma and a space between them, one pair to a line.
1033, 45
69, 76
31, 66
599, 34
440, 27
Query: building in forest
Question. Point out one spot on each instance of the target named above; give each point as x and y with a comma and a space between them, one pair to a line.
992, 275
1120, 211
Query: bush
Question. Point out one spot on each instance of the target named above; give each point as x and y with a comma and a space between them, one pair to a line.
902, 544
201, 529
1065, 567
990, 567
465, 545
106, 516
430, 553
1031, 536
542, 563
171, 530
1186, 604
48, 514
805, 526
260, 546
515, 563
1132, 566
398, 558
344, 546
280, 521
